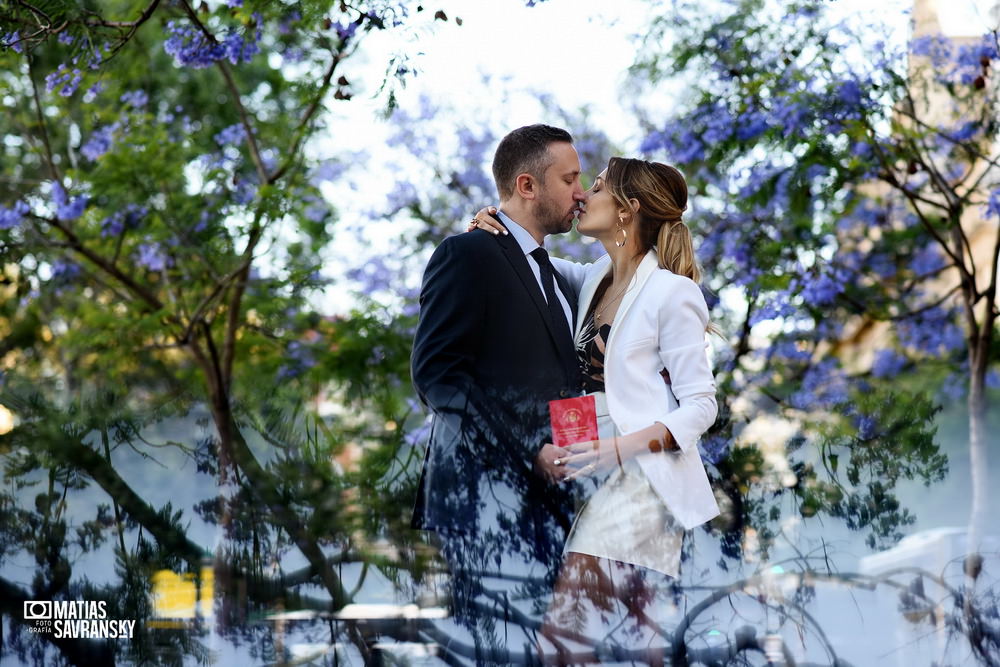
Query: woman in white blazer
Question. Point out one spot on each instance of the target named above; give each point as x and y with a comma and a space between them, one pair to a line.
641, 338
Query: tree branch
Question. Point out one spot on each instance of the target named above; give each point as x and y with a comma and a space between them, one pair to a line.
300, 130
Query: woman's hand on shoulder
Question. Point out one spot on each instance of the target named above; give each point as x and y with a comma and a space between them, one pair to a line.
484, 220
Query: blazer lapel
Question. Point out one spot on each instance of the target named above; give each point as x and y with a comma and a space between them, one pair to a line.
588, 290
646, 267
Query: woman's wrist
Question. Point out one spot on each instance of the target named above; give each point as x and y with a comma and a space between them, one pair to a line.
655, 439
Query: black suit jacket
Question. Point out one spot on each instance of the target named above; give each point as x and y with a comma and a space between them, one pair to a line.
486, 360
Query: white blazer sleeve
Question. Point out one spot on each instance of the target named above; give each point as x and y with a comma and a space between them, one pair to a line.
574, 272
683, 351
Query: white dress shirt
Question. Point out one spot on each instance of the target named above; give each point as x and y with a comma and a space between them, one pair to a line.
527, 243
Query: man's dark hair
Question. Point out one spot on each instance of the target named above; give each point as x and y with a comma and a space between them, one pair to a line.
525, 150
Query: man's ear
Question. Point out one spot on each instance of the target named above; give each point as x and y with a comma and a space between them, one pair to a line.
526, 186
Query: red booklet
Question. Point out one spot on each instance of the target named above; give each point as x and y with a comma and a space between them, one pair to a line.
573, 420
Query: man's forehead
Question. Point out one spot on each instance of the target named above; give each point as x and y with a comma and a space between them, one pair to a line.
566, 159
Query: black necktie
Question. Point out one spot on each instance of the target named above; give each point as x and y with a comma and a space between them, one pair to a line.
559, 324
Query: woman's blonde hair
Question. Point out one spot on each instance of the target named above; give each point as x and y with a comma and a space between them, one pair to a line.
662, 195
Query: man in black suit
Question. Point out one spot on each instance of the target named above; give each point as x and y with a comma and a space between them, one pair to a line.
493, 346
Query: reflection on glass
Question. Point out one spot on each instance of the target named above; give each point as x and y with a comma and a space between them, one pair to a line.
181, 596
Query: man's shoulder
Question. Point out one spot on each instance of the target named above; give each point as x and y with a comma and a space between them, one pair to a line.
474, 246
474, 240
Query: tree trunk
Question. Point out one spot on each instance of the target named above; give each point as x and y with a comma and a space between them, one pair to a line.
978, 454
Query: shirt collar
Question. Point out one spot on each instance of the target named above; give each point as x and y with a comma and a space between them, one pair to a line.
520, 234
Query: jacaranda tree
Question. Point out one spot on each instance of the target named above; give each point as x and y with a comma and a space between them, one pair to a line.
161, 238
847, 207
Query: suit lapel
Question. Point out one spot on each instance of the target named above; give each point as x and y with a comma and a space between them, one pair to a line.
519, 263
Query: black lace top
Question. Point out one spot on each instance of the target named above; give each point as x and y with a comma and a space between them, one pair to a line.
590, 347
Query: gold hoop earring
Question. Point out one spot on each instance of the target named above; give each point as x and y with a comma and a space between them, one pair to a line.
624, 237
621, 228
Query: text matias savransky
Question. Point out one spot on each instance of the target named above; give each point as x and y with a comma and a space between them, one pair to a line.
77, 620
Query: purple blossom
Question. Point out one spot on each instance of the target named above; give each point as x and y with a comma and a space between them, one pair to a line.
954, 387
66, 38
374, 276
67, 209
867, 426
790, 350
714, 448
881, 264
137, 99
411, 308
11, 217
936, 47
419, 435
965, 132
345, 31
823, 289
244, 193
992, 208
13, 42
66, 79
64, 272
285, 25
234, 134
927, 261
238, 49
823, 386
202, 223
192, 48
120, 220
888, 363
152, 256
99, 142
849, 92
777, 306
403, 195
751, 125
790, 115
299, 358
931, 331
861, 149
328, 171
91, 93
317, 210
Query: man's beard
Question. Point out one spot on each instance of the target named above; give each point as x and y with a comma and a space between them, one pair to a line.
552, 218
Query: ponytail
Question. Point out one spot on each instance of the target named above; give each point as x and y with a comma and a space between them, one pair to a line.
675, 250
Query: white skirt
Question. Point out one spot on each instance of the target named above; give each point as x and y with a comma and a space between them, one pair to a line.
625, 520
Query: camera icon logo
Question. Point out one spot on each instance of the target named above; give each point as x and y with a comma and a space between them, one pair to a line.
36, 610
